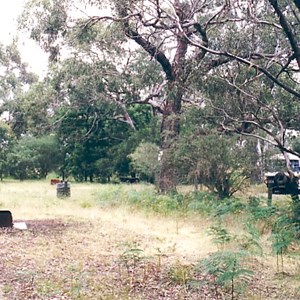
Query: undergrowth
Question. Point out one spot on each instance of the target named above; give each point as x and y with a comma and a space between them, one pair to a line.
242, 253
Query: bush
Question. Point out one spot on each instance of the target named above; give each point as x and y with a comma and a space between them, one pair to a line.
202, 202
229, 206
151, 201
216, 166
144, 161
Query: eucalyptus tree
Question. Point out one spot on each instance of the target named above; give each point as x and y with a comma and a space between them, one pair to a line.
257, 94
191, 42
14, 81
93, 127
13, 71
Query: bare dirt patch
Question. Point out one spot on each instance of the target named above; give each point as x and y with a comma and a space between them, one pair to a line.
48, 226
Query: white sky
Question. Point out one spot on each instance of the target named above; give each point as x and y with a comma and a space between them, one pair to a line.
31, 52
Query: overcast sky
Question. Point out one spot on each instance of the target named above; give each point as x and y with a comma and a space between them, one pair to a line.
9, 11
31, 52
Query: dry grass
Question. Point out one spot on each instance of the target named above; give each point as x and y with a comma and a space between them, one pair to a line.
38, 201
76, 248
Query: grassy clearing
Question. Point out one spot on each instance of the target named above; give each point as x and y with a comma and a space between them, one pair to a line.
126, 242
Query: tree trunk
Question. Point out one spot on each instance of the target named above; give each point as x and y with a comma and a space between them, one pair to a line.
226, 188
260, 162
167, 176
176, 76
169, 134
91, 176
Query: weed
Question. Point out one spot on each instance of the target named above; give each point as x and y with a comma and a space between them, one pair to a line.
258, 211
159, 255
251, 241
180, 273
7, 288
48, 287
260, 215
131, 256
202, 202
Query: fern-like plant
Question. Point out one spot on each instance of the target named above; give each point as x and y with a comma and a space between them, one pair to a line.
284, 232
220, 236
227, 268
252, 240
131, 256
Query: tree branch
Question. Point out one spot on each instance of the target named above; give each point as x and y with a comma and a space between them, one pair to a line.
248, 63
287, 30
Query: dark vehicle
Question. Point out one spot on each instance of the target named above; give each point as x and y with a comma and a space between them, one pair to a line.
281, 183
130, 179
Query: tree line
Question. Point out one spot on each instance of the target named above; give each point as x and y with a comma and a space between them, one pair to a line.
177, 91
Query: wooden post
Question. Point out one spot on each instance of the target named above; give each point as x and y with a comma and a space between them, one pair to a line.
270, 192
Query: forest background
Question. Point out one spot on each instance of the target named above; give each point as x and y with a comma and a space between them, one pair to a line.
202, 90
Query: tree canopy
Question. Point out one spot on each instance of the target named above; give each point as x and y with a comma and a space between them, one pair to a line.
236, 62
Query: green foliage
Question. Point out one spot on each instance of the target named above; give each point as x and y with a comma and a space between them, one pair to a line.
6, 139
220, 236
251, 241
228, 269
217, 164
145, 160
207, 203
14, 74
94, 130
259, 211
46, 21
284, 233
180, 273
145, 198
15, 79
35, 109
34, 157
153, 202
131, 256
229, 206
203, 202
296, 145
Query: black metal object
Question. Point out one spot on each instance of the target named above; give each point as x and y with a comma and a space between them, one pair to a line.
63, 189
6, 219
282, 184
130, 179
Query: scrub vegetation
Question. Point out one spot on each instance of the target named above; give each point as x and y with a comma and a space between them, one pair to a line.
128, 242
